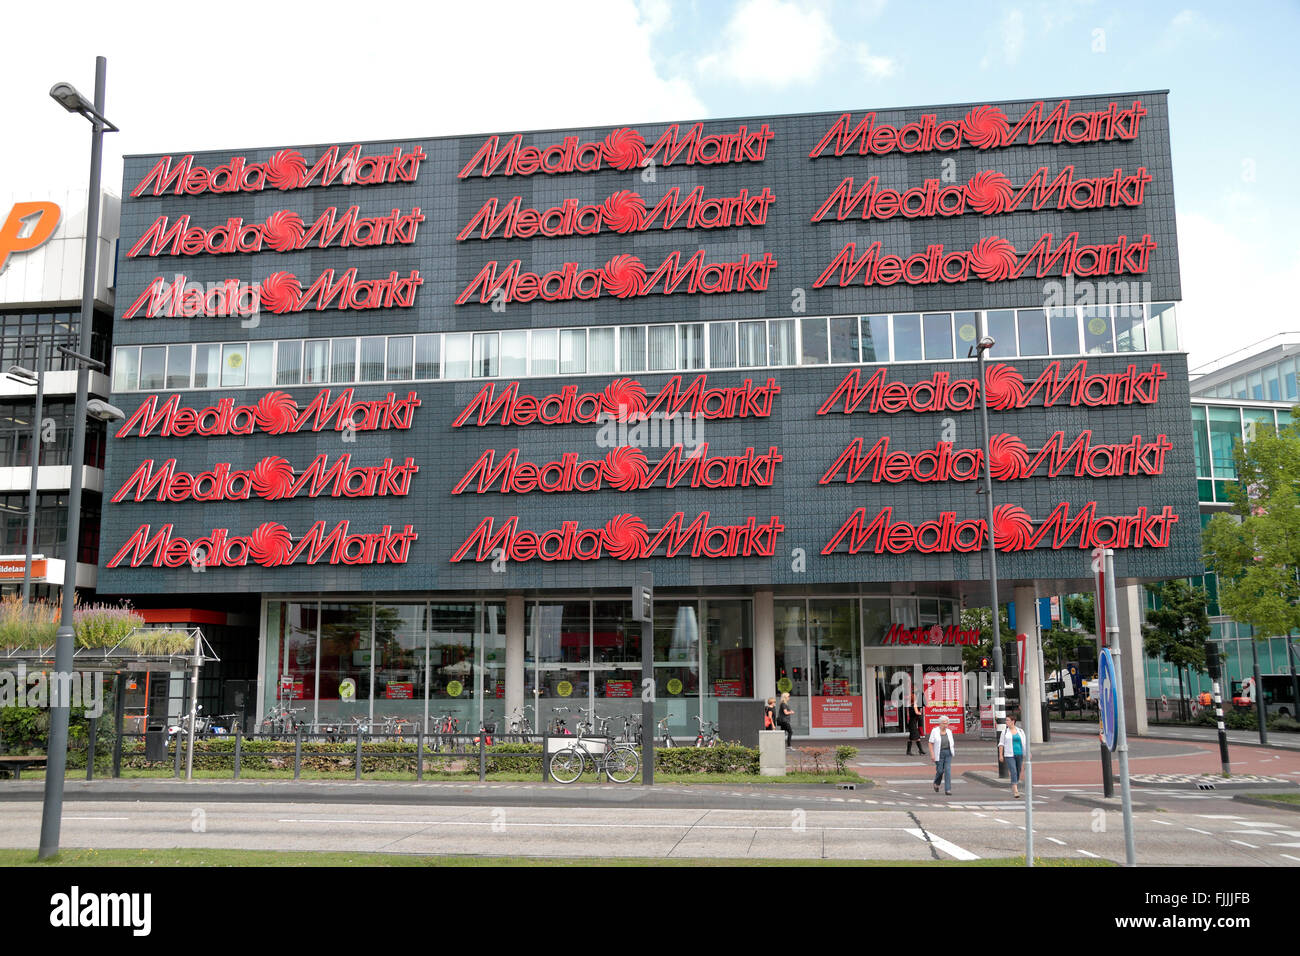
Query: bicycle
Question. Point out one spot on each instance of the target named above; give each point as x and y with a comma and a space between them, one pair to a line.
707, 738
281, 720
620, 763
668, 738
557, 725
446, 727
631, 734
520, 726
397, 725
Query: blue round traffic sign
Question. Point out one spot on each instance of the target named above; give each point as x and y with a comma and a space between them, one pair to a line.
1109, 700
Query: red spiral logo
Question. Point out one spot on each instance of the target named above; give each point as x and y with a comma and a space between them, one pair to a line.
276, 412
272, 478
280, 292
286, 169
283, 230
624, 276
1012, 528
1008, 457
269, 544
624, 148
624, 397
989, 192
986, 127
625, 537
624, 211
626, 468
1005, 386
993, 258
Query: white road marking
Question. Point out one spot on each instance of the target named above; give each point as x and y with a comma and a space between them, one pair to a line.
96, 818
603, 826
1093, 855
1253, 832
1244, 843
939, 843
1194, 830
1056, 841
1163, 823
1290, 857
1000, 820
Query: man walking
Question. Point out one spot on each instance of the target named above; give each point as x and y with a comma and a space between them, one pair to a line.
941, 749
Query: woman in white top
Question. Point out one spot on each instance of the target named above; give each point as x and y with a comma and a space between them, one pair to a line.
1011, 749
941, 751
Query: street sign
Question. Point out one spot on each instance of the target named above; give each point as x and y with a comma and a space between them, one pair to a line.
643, 598
1106, 688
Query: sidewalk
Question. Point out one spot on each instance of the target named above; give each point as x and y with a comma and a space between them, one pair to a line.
1277, 740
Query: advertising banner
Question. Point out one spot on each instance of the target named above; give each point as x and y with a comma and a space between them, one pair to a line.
836, 715
403, 690
942, 685
619, 688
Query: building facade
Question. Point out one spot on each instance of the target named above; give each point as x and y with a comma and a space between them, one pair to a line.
425, 409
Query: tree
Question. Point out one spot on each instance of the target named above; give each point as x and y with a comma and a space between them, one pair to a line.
1176, 629
977, 619
1083, 608
1255, 548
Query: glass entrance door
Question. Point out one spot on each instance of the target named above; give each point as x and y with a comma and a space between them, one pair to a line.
894, 686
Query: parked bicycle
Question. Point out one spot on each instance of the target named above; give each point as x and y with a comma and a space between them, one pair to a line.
707, 734
400, 726
521, 727
620, 763
282, 720
445, 728
558, 726
668, 740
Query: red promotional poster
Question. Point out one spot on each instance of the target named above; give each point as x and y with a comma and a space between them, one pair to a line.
727, 688
942, 684
889, 719
500, 690
835, 687
290, 689
837, 715
399, 691
618, 688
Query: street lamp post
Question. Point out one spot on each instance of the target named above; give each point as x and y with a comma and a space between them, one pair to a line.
57, 759
999, 695
28, 377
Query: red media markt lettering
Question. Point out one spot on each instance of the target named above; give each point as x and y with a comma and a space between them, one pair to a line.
275, 413
284, 170
270, 545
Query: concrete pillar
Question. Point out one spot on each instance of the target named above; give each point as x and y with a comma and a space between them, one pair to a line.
1030, 691
515, 658
764, 645
1133, 678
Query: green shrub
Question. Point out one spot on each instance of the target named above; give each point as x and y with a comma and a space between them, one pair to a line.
727, 758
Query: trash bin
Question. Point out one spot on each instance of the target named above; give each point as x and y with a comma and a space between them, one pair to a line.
155, 746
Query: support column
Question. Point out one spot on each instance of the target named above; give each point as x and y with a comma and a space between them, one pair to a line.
1026, 599
764, 645
515, 657
1128, 597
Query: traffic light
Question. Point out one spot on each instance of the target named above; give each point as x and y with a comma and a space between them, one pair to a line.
1013, 665
1212, 660
986, 663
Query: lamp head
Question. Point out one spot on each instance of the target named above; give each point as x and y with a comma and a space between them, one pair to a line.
66, 95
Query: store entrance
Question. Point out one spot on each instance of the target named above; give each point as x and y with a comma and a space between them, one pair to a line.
894, 684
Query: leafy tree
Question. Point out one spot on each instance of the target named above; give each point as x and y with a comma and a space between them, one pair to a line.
1176, 628
978, 619
1083, 608
1255, 548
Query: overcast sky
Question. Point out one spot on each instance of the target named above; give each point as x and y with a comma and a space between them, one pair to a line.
204, 76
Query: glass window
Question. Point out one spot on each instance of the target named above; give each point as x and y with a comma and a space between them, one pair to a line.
967, 326
1031, 326
514, 353
234, 361
573, 351
844, 339
1239, 387
178, 365
729, 651
937, 328
1272, 387
752, 340
836, 648
458, 355
288, 363
780, 342
1201, 435
559, 633
1256, 422
722, 345
452, 685
401, 362
1097, 330
261, 363
1162, 316
1000, 325
615, 634
812, 334
485, 354
1225, 430
153, 362
631, 348
207, 366
1129, 334
907, 338
126, 369
315, 361
372, 358
343, 361
427, 356
1288, 380
600, 350
690, 345
400, 639
792, 670
663, 347
1256, 382
345, 654
544, 344
1064, 327
875, 338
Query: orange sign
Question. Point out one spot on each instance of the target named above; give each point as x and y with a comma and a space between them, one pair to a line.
11, 569
29, 224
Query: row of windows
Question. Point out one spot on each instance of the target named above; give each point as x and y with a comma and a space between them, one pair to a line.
56, 433
689, 346
51, 526
1216, 428
1273, 383
23, 333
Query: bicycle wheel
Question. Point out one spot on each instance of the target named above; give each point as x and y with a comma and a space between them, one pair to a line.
566, 766
622, 764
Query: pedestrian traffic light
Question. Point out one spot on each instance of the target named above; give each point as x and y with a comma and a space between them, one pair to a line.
1212, 660
985, 663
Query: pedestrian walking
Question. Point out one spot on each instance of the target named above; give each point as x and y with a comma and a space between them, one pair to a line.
942, 749
914, 728
784, 715
1011, 750
769, 714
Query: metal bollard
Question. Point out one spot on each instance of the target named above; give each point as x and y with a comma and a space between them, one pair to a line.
297, 753
419, 755
1107, 773
119, 705
90, 748
239, 749
358, 753
176, 770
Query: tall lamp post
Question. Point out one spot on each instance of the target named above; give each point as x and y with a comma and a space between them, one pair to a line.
981, 349
25, 376
52, 808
